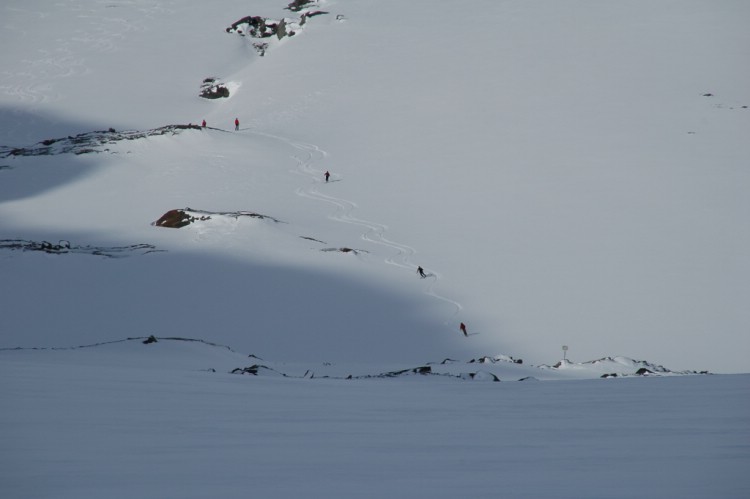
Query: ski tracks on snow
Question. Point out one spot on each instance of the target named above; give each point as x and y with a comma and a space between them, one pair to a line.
374, 232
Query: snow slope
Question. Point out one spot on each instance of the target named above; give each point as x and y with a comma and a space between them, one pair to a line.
557, 170
567, 174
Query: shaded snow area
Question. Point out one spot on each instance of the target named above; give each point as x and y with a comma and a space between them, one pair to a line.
374, 248
169, 419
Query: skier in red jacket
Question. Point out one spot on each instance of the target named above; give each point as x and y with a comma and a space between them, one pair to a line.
462, 327
236, 124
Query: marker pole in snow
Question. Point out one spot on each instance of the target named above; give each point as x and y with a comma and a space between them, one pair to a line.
565, 352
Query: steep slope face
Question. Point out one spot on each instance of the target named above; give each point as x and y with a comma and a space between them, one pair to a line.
562, 167
559, 171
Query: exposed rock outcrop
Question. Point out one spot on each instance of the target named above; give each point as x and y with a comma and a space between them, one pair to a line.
89, 142
63, 247
175, 219
213, 89
259, 27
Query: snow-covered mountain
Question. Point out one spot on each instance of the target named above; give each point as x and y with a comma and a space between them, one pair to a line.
565, 173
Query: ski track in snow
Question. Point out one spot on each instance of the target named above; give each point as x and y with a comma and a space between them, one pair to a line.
374, 231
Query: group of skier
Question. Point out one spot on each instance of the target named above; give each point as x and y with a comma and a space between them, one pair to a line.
327, 176
236, 124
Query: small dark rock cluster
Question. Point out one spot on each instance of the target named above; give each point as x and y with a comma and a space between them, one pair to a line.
298, 5
480, 376
63, 247
494, 360
344, 250
255, 369
254, 26
213, 89
263, 27
421, 370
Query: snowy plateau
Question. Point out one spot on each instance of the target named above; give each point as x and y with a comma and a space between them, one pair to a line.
375, 248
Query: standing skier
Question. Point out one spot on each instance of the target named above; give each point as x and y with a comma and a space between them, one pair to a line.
236, 124
203, 124
462, 327
327, 175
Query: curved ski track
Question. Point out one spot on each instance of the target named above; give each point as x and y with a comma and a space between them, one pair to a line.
374, 231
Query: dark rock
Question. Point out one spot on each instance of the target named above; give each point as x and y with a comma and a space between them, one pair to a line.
612, 375
258, 27
181, 217
424, 370
256, 369
483, 376
247, 370
174, 219
215, 92
298, 5
88, 142
211, 88
343, 250
643, 371
64, 246
261, 27
149, 340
